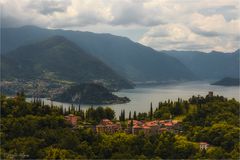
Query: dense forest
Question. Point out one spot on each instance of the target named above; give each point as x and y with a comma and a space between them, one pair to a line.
33, 130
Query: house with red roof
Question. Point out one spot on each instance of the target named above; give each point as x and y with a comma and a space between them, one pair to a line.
106, 122
136, 129
108, 127
135, 122
72, 119
154, 127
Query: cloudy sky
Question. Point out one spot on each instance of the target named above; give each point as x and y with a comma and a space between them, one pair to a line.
202, 25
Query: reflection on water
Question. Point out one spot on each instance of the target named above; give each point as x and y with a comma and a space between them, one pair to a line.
142, 96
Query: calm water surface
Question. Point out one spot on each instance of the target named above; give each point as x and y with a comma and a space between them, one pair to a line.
142, 96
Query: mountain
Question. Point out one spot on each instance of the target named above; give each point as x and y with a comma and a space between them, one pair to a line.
228, 81
57, 58
89, 93
213, 65
132, 60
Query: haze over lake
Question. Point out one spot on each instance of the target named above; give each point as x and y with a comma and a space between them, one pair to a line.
142, 96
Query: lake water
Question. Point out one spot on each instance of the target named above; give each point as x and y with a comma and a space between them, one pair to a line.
142, 96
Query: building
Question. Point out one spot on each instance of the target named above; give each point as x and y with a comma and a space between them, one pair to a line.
106, 122
135, 122
171, 125
107, 126
72, 119
203, 145
146, 130
136, 129
154, 127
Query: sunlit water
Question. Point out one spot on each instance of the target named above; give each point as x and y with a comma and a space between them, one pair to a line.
142, 96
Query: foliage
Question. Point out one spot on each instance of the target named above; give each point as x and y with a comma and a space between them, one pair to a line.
37, 131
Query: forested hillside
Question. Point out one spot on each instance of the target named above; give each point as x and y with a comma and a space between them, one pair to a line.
35, 131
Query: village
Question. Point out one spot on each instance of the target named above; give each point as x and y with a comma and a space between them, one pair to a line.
135, 127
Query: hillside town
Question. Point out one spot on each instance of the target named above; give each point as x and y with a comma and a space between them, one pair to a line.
135, 127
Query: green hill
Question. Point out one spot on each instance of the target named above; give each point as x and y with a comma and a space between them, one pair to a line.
89, 93
58, 59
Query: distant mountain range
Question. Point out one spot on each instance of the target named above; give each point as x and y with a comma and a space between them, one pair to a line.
213, 65
57, 58
131, 60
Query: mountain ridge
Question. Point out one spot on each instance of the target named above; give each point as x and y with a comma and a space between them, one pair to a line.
212, 65
57, 57
131, 60
227, 81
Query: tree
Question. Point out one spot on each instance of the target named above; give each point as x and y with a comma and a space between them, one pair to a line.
148, 149
110, 114
122, 115
26, 147
99, 114
134, 115
151, 112
184, 149
121, 156
142, 116
84, 148
57, 153
129, 117
159, 105
165, 146
216, 153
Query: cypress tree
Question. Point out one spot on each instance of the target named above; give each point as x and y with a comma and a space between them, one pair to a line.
151, 111
130, 116
120, 117
123, 115
79, 107
69, 110
135, 115
65, 111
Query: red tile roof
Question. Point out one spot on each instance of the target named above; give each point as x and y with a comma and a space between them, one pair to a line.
146, 127
168, 124
106, 122
135, 122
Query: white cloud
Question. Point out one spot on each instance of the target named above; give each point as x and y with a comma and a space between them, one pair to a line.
188, 29
162, 24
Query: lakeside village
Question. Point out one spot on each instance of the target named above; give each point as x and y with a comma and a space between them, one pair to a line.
133, 126
102, 120
181, 129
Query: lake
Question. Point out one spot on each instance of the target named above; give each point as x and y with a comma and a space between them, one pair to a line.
142, 96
